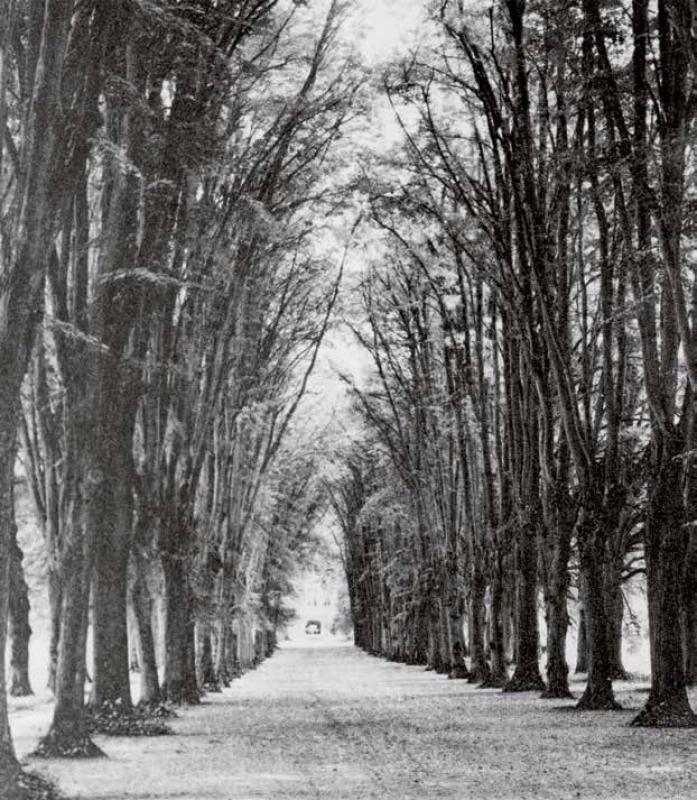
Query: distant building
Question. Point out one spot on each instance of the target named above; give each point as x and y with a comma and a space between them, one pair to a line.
317, 601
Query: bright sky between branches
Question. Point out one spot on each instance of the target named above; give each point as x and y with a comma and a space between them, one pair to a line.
387, 26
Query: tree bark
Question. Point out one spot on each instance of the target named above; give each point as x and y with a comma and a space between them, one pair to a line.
68, 735
458, 667
143, 611
479, 668
526, 675
20, 630
233, 653
690, 637
205, 669
666, 550
598, 694
497, 648
55, 602
558, 618
9, 766
434, 650
582, 632
179, 684
689, 614
111, 506
614, 602
223, 659
59, 123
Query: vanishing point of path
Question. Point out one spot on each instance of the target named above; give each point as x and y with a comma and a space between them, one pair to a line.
333, 723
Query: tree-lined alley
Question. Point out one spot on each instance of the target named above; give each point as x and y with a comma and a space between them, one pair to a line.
195, 199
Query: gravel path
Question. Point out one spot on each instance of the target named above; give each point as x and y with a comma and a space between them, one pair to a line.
332, 723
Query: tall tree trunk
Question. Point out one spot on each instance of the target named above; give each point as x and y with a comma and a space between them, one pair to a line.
444, 628
205, 670
20, 630
143, 611
582, 632
479, 669
690, 637
598, 694
558, 618
9, 767
497, 648
666, 550
526, 675
21, 293
66, 43
689, 614
225, 601
233, 653
116, 379
55, 603
458, 668
112, 518
68, 735
452, 604
421, 626
83, 675
614, 602
437, 646
510, 618
179, 684
222, 661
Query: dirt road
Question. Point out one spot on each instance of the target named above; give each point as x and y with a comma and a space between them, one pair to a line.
332, 723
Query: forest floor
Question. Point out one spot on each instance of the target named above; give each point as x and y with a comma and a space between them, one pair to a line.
331, 723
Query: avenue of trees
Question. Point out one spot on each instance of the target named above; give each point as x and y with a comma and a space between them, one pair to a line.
162, 179
173, 175
529, 430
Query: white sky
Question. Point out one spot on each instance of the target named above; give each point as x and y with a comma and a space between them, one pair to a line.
387, 26
381, 30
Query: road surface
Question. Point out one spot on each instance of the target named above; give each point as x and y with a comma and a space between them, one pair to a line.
331, 723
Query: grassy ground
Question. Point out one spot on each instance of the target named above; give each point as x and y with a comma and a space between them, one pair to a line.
331, 722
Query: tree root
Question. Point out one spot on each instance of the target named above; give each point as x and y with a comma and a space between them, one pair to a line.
600, 703
620, 675
458, 672
665, 715
21, 689
494, 682
479, 673
557, 693
61, 745
156, 710
113, 720
525, 682
33, 787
